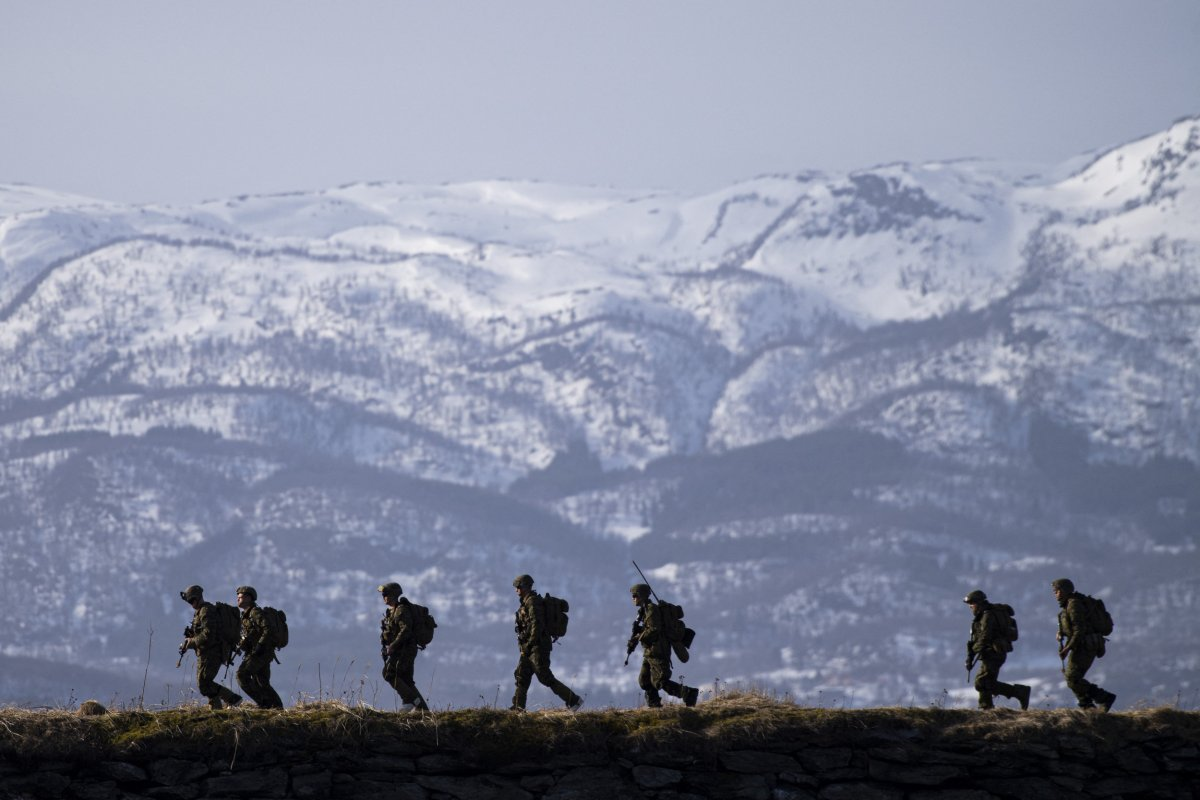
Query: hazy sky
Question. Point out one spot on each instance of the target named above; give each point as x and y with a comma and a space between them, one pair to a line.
158, 101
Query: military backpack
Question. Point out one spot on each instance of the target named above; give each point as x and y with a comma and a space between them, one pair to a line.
678, 634
227, 625
1006, 624
555, 610
277, 627
423, 624
1096, 616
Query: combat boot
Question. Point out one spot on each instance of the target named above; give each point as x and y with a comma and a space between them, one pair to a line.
1106, 700
690, 695
1023, 692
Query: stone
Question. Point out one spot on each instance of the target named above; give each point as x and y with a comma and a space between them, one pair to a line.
537, 784
790, 793
1123, 785
757, 762
727, 785
95, 790
314, 784
858, 791
123, 772
913, 774
1026, 788
183, 791
387, 764
1133, 759
655, 777
441, 764
271, 782
822, 759
464, 787
379, 791
800, 779
592, 783
173, 771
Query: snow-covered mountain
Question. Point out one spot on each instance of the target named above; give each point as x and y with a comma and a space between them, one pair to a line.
817, 408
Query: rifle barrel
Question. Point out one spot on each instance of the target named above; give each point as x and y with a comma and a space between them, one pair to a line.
647, 582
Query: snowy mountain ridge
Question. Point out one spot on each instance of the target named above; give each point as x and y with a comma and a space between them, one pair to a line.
459, 380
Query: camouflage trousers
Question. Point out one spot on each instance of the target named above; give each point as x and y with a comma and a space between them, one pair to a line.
208, 667
536, 662
398, 672
987, 681
254, 676
1086, 692
656, 675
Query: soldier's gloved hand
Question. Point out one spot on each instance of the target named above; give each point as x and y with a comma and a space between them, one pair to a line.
969, 663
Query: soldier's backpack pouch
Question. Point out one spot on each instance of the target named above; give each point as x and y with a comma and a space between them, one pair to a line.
227, 622
423, 625
277, 627
1099, 620
1008, 624
555, 609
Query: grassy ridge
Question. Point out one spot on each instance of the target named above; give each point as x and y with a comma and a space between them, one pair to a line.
493, 736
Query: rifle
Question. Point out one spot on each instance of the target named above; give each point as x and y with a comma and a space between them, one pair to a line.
187, 634
631, 645
971, 665
1062, 657
652, 594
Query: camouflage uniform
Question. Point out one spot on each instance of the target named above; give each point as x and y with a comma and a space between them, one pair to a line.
211, 655
254, 673
655, 674
400, 653
534, 643
1084, 646
990, 647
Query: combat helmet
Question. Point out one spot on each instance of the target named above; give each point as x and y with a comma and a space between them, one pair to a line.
191, 593
249, 592
390, 589
976, 596
640, 590
1063, 584
523, 582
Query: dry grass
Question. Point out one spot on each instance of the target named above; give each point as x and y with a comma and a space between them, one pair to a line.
736, 719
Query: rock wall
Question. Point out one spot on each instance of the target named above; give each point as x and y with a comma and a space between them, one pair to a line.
971, 756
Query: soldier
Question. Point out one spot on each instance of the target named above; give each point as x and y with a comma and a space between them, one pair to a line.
258, 650
989, 645
535, 644
211, 651
649, 630
1079, 645
399, 647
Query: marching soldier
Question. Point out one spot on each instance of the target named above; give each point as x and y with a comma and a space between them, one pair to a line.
1080, 643
649, 630
534, 642
212, 652
258, 650
989, 645
399, 647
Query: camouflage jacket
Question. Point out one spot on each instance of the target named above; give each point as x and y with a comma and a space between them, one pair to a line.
395, 627
531, 623
256, 637
653, 637
204, 635
1073, 629
986, 639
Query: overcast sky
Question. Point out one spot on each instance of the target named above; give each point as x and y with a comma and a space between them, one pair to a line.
153, 101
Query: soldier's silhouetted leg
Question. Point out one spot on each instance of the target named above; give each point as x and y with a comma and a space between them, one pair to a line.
541, 667
1086, 692
523, 676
